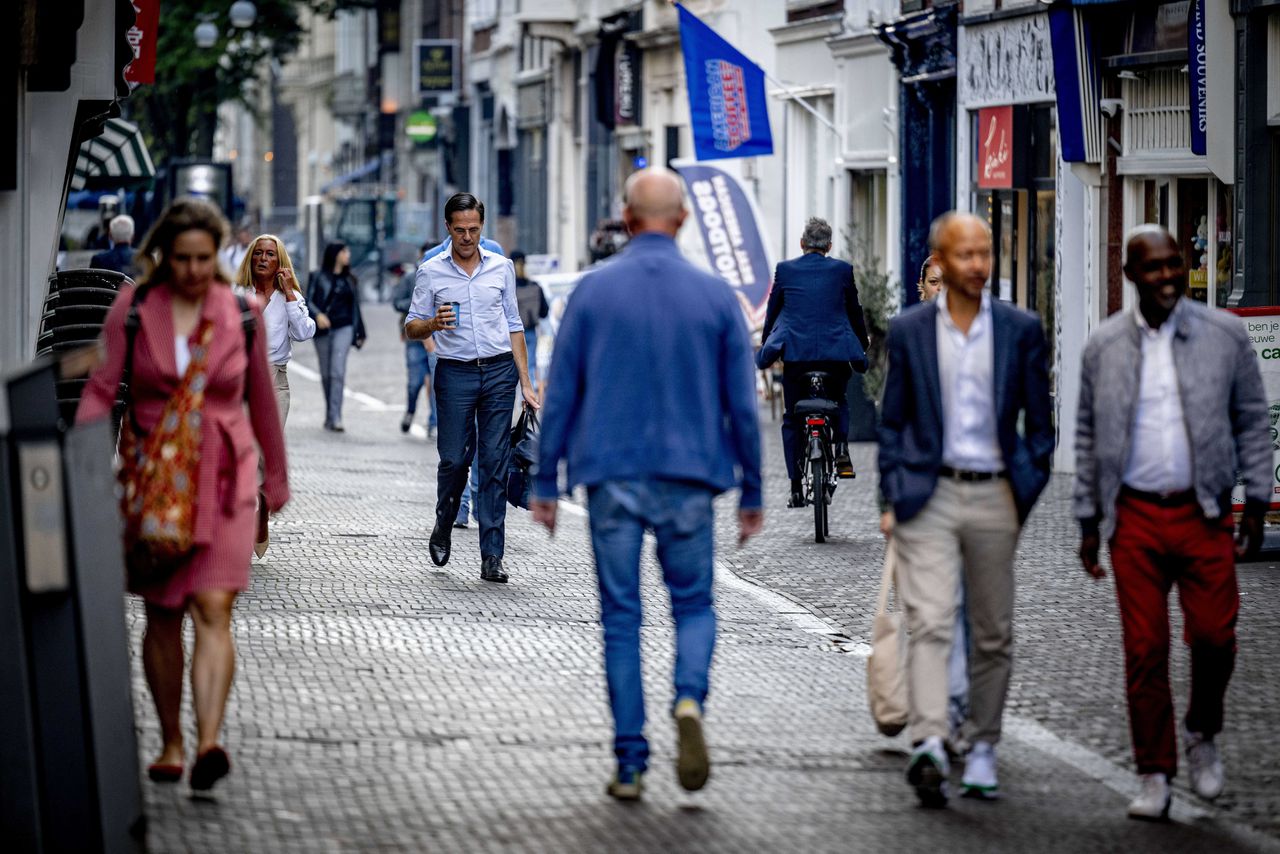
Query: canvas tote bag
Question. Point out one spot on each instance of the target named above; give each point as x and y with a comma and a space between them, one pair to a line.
887, 664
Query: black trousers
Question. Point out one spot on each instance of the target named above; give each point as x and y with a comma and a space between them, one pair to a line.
795, 388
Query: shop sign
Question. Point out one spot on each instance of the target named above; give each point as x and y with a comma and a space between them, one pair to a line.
436, 62
142, 38
995, 148
421, 126
1196, 61
1007, 62
531, 104
626, 79
1263, 327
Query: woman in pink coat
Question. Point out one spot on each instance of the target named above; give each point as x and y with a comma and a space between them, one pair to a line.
183, 289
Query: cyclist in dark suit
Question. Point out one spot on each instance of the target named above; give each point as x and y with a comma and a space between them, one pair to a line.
815, 321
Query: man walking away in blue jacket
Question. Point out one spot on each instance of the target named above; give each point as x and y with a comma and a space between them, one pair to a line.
652, 403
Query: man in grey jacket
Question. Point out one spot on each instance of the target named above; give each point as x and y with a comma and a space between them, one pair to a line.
1171, 403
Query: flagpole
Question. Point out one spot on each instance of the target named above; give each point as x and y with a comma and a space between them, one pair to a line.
790, 93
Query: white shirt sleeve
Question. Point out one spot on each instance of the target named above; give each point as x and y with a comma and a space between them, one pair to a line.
421, 308
510, 305
301, 326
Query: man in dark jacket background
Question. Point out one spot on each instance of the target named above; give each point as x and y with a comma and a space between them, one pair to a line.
815, 320
120, 256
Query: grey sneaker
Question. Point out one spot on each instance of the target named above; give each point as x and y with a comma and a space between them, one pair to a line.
1152, 803
693, 767
626, 785
927, 772
979, 780
1205, 766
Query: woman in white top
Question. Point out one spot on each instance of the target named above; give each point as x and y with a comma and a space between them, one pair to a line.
267, 272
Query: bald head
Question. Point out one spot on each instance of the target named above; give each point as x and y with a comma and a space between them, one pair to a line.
961, 243
1154, 264
655, 202
1141, 238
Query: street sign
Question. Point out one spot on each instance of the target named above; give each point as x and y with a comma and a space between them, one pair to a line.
421, 126
436, 63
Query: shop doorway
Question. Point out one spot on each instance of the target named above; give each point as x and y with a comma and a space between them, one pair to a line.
1197, 211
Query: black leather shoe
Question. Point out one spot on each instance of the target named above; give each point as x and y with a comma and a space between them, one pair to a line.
491, 570
844, 467
439, 545
797, 499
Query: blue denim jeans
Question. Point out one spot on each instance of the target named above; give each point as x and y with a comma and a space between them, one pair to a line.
419, 364
472, 487
475, 405
681, 518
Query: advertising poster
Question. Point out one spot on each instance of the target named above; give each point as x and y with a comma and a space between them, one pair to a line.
1263, 326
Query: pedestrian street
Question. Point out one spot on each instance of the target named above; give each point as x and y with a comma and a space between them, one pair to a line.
384, 704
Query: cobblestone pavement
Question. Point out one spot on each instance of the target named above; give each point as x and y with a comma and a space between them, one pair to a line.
382, 704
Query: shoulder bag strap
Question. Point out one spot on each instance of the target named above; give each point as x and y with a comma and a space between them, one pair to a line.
132, 323
250, 325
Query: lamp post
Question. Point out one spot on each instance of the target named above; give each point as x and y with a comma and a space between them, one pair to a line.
241, 15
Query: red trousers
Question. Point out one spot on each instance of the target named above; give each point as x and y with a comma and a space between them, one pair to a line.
1153, 548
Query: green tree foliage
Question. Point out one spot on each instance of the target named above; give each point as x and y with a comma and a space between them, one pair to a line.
178, 113
879, 297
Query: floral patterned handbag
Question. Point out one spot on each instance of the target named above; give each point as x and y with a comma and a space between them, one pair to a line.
159, 473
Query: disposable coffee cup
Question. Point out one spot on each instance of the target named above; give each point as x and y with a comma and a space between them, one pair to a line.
457, 312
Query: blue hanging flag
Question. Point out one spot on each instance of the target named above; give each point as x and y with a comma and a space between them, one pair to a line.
728, 107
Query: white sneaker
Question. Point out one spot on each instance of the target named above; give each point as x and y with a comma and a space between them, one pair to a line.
928, 771
1152, 803
979, 780
1207, 778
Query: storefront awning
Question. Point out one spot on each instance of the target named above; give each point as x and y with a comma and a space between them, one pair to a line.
1079, 86
356, 174
117, 157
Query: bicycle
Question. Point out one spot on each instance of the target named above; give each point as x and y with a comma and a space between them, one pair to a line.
817, 459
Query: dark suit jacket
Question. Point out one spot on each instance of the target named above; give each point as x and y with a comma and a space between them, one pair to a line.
911, 414
119, 258
814, 314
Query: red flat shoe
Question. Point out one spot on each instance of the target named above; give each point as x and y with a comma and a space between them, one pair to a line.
159, 772
211, 766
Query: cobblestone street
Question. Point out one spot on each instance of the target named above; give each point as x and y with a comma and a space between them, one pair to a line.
384, 704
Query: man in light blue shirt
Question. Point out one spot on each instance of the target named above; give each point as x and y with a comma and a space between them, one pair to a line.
465, 299
447, 244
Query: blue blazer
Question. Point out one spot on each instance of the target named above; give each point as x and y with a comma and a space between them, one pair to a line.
911, 414
814, 314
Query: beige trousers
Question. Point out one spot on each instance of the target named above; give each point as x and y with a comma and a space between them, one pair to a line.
969, 527
280, 380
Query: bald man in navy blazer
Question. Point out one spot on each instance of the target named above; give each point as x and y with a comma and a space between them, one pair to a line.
815, 322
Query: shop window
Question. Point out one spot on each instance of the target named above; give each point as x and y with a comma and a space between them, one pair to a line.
1159, 27
1198, 212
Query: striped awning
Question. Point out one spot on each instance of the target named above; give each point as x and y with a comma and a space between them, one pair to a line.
114, 158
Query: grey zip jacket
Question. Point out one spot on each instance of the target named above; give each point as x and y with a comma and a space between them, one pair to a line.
1223, 403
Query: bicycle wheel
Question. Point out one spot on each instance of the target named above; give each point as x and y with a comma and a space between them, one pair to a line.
820, 500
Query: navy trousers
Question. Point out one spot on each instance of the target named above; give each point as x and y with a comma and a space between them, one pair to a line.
474, 406
795, 388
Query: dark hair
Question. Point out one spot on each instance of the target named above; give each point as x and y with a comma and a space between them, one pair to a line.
427, 247
331, 256
186, 213
462, 202
517, 256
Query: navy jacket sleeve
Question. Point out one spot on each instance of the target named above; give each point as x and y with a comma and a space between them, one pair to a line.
893, 413
854, 309
564, 398
737, 384
1038, 423
775, 306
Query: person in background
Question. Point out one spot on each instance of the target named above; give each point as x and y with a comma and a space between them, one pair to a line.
928, 286
334, 300
653, 404
966, 437
1172, 407
191, 338
267, 273
120, 256
419, 356
533, 307
466, 300
235, 251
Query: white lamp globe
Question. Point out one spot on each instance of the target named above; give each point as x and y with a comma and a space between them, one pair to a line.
243, 13
206, 34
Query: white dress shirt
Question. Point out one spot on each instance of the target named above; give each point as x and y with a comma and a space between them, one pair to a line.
1160, 453
285, 323
966, 365
488, 313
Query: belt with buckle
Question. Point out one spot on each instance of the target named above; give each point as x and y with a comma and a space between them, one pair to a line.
481, 362
968, 476
1161, 499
